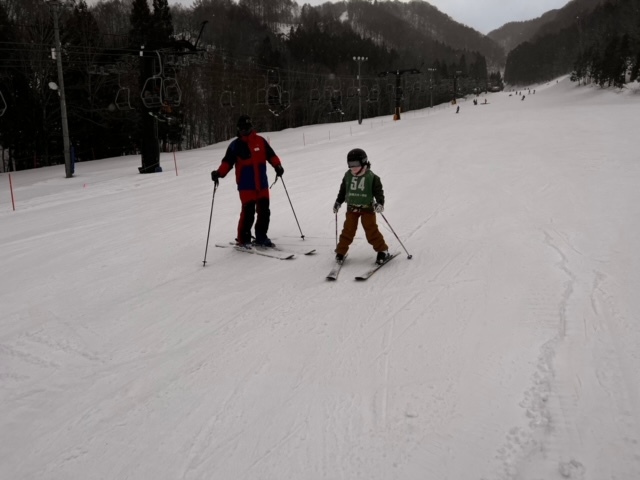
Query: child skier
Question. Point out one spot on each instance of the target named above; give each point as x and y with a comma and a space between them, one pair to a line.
360, 187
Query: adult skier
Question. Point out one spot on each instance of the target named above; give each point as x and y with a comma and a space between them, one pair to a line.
249, 154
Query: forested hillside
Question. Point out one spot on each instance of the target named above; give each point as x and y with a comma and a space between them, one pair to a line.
596, 40
144, 77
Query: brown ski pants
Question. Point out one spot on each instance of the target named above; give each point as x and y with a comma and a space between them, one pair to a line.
371, 231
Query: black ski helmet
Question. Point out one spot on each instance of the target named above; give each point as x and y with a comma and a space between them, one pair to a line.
244, 125
357, 158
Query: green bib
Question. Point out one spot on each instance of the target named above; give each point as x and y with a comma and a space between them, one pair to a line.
359, 189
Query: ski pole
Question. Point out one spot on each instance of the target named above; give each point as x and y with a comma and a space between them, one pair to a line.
409, 256
336, 229
294, 212
215, 187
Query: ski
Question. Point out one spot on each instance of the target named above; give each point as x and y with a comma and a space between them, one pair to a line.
261, 252
335, 271
278, 249
374, 269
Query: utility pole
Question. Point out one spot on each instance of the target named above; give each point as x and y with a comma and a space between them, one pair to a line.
359, 60
431, 70
55, 8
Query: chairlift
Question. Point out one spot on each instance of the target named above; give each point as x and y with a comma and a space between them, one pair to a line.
3, 104
273, 77
336, 98
172, 92
336, 102
374, 94
153, 88
152, 92
262, 96
123, 97
226, 99
278, 108
273, 96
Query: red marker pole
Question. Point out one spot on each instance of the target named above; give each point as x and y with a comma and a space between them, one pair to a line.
174, 160
13, 203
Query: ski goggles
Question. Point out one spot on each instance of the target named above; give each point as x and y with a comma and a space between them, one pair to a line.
356, 163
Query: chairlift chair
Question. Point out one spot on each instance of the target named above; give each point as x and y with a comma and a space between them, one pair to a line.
151, 94
336, 102
262, 96
226, 99
153, 88
3, 104
171, 91
285, 98
172, 94
274, 96
273, 77
123, 97
374, 94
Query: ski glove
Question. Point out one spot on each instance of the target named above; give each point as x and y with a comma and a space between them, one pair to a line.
279, 170
379, 208
336, 207
214, 177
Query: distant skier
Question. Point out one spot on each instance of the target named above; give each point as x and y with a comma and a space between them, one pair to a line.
249, 154
363, 192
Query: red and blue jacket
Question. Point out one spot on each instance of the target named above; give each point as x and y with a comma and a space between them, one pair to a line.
249, 154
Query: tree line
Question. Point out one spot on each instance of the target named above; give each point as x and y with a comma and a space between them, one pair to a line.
145, 79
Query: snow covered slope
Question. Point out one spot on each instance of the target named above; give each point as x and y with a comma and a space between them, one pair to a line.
508, 348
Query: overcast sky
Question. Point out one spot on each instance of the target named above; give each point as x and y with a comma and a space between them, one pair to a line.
483, 15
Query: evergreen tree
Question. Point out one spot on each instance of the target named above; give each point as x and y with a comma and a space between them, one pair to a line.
140, 20
161, 23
